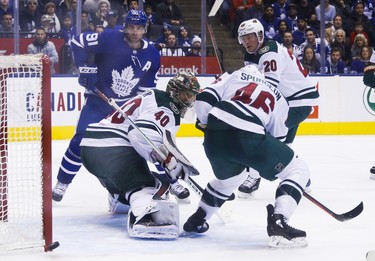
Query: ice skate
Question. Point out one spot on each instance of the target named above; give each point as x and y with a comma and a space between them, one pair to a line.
197, 222
248, 187
180, 192
58, 191
281, 234
372, 171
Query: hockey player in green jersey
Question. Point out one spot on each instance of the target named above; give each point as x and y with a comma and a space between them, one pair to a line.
117, 151
369, 80
284, 71
243, 118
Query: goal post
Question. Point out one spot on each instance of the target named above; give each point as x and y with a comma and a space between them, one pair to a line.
25, 152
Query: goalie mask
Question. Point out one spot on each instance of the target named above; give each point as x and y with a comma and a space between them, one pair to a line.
183, 88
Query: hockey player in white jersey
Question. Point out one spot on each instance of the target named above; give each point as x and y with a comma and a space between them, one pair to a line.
369, 80
117, 153
243, 118
284, 71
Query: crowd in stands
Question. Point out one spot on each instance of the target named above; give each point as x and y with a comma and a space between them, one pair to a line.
349, 29
47, 19
348, 41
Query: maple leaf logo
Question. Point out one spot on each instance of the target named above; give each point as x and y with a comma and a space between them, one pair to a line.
124, 83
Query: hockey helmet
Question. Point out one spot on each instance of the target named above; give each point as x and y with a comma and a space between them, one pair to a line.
183, 88
251, 26
253, 70
137, 17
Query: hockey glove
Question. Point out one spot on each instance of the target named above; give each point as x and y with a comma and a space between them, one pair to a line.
369, 76
173, 168
88, 77
200, 126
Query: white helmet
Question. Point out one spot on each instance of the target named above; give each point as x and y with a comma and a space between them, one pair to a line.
253, 70
251, 26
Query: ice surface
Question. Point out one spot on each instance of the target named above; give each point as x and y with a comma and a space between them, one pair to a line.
340, 179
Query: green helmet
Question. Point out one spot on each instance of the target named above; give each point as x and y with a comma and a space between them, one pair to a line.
183, 88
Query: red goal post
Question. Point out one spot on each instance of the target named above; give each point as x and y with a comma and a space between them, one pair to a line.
25, 152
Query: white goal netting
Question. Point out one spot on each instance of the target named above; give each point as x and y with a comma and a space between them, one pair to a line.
22, 206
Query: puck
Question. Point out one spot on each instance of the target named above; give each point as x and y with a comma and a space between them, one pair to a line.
53, 246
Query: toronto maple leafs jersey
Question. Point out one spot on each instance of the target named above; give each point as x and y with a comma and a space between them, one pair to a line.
123, 72
244, 102
284, 71
153, 112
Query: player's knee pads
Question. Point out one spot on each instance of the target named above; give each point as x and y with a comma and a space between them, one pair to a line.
141, 200
227, 186
297, 171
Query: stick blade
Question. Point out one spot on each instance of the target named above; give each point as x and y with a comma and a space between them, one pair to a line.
351, 214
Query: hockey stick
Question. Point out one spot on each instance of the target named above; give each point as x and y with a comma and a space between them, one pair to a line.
340, 217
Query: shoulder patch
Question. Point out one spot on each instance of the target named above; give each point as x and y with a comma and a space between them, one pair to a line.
264, 49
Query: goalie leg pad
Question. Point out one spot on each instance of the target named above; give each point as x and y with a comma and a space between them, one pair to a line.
148, 218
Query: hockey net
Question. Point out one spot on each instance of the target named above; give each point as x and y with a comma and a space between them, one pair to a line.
25, 152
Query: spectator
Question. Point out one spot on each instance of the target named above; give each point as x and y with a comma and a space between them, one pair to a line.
112, 17
309, 61
342, 9
196, 47
339, 41
337, 24
169, 12
5, 7
292, 18
85, 23
256, 11
29, 16
49, 10
91, 6
151, 18
67, 7
359, 64
236, 13
166, 30
183, 38
358, 29
314, 42
359, 42
270, 23
171, 48
334, 64
281, 28
67, 30
358, 15
280, 8
42, 45
305, 10
133, 4
6, 27
47, 23
288, 43
329, 13
99, 17
99, 29
299, 33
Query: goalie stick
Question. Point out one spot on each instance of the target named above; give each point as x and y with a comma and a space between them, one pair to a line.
340, 217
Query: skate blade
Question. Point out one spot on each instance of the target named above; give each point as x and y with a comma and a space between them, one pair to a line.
244, 195
281, 242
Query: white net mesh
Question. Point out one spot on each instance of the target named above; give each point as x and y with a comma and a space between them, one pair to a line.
21, 222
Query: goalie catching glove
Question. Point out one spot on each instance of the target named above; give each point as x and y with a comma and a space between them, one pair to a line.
369, 76
88, 77
174, 168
